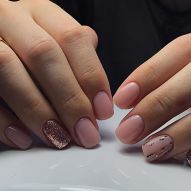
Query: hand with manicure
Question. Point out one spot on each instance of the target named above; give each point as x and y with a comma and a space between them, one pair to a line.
50, 77
159, 90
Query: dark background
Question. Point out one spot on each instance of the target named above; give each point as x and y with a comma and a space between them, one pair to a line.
129, 31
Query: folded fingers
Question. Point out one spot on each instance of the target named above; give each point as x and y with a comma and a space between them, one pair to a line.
23, 97
78, 44
67, 87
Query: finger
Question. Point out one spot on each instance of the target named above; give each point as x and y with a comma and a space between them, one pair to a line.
154, 72
12, 132
173, 141
48, 65
181, 156
157, 108
78, 44
20, 93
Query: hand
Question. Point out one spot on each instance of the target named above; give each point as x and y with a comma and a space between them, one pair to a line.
158, 90
50, 77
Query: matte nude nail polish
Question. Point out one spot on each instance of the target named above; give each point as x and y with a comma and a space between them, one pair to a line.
130, 129
126, 95
157, 147
103, 106
56, 134
18, 137
87, 133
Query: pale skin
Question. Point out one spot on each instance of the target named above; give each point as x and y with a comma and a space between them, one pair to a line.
49, 70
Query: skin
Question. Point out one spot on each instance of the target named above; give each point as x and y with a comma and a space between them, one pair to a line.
164, 82
48, 68
42, 51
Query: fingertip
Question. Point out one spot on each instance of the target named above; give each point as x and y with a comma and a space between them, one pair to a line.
130, 129
103, 106
126, 95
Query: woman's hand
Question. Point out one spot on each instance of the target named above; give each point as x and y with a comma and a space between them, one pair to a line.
159, 90
50, 77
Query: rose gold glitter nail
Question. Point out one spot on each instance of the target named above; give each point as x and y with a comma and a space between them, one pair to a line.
56, 134
189, 158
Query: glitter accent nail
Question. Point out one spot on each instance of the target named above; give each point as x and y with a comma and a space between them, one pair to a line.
188, 158
56, 134
157, 147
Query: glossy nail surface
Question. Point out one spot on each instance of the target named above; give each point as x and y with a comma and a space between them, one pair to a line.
18, 137
130, 129
126, 95
56, 134
87, 133
103, 106
157, 147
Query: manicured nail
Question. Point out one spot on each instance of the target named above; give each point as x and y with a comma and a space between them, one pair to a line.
56, 134
130, 129
103, 106
157, 147
125, 96
189, 158
87, 133
18, 137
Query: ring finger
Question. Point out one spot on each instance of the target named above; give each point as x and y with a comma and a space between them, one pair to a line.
173, 141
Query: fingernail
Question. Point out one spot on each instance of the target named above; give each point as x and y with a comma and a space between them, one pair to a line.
126, 95
189, 158
157, 147
18, 137
103, 106
130, 129
87, 133
56, 134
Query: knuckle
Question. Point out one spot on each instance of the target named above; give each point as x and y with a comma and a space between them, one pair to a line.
162, 103
6, 56
32, 105
41, 50
91, 32
152, 71
76, 102
92, 77
79, 34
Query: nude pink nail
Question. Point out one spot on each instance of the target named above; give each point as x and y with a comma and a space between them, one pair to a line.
18, 137
87, 133
103, 106
130, 129
157, 147
126, 95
